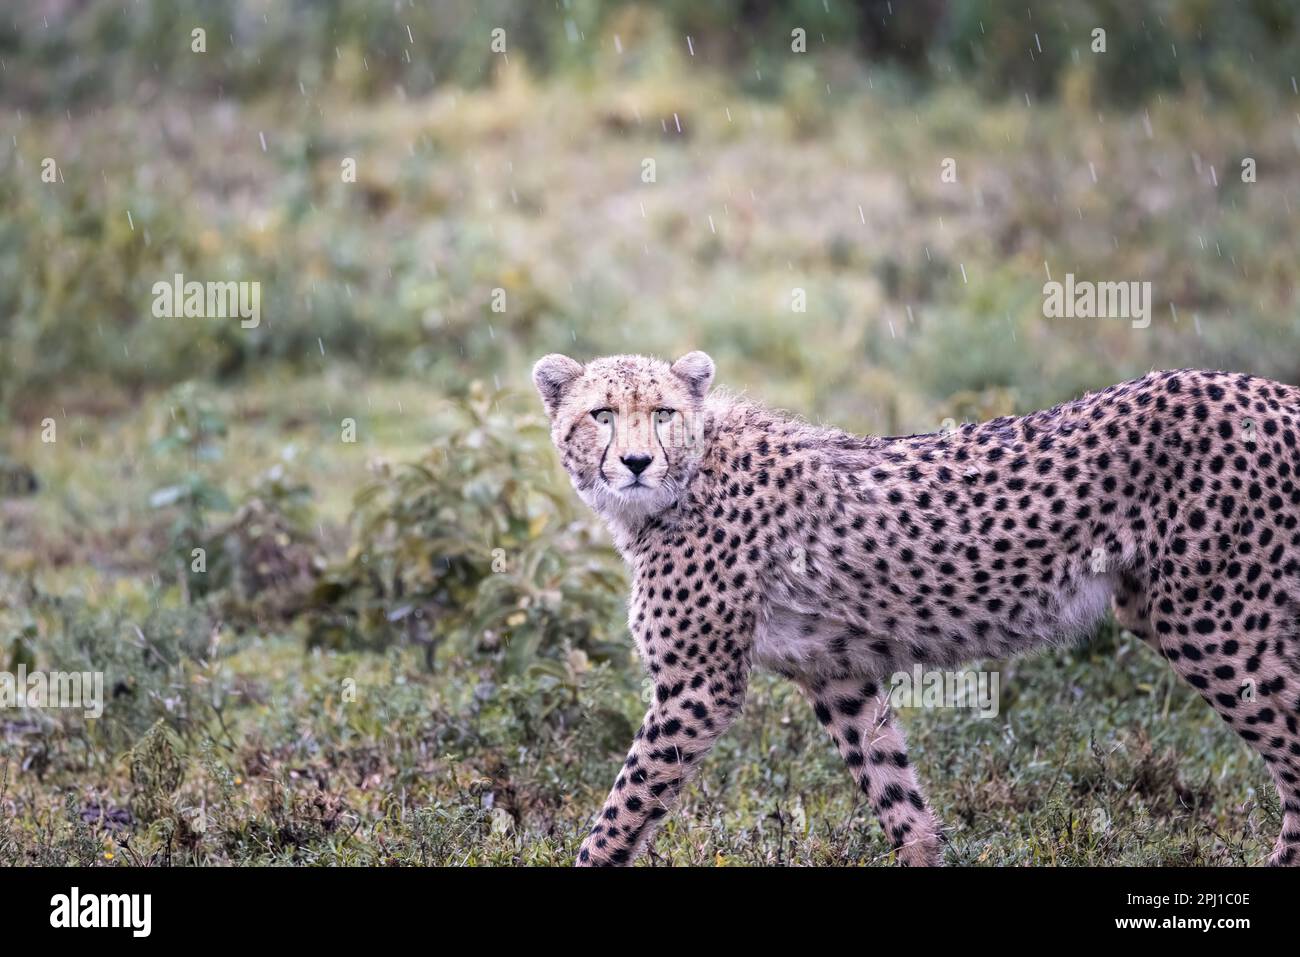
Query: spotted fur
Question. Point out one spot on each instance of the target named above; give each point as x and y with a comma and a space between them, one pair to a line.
755, 538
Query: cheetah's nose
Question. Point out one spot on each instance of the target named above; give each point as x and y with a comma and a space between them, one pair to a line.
636, 464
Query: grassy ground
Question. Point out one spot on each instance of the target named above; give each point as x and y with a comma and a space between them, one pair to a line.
236, 733
1099, 756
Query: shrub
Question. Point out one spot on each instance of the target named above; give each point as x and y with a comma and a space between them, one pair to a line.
156, 771
478, 543
156, 666
261, 564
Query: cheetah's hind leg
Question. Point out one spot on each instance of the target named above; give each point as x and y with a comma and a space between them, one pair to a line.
857, 715
1253, 682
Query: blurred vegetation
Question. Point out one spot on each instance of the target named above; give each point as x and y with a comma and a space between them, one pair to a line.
402, 640
369, 49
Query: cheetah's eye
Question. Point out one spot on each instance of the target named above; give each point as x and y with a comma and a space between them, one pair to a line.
603, 416
663, 416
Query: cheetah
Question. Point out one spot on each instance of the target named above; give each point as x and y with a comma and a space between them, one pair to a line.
1173, 498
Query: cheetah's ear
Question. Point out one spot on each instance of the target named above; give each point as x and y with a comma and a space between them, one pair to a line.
552, 376
696, 370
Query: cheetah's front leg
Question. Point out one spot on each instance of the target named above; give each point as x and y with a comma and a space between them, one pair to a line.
690, 711
857, 715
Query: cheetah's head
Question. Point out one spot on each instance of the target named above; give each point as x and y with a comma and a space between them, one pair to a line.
627, 427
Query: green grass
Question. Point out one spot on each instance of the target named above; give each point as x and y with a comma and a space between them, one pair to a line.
1098, 758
